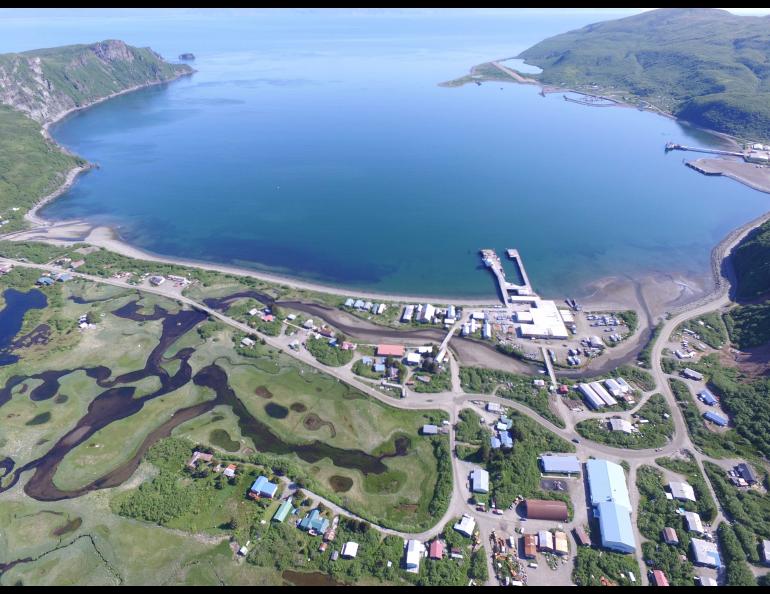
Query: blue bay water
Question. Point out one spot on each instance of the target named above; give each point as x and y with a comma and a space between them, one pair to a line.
319, 146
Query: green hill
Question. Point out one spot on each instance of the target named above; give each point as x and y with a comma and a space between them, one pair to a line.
751, 261
39, 86
45, 83
706, 66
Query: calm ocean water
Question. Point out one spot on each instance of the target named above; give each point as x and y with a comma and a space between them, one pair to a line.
318, 145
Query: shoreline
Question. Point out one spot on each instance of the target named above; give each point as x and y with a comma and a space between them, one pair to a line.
109, 239
32, 214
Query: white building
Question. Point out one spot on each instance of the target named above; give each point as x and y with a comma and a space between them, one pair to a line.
480, 481
705, 553
546, 321
603, 394
350, 550
427, 313
466, 525
413, 358
591, 397
414, 552
681, 490
693, 522
408, 313
613, 387
621, 425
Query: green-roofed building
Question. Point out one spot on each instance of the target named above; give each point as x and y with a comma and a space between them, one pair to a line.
283, 511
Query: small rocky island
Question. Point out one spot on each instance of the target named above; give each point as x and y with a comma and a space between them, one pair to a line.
187, 56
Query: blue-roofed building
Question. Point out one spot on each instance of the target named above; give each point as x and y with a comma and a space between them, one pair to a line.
560, 464
609, 498
506, 441
501, 426
494, 442
615, 527
263, 487
707, 397
379, 368
332, 342
607, 482
715, 418
506, 421
314, 521
366, 360
705, 553
46, 281
349, 302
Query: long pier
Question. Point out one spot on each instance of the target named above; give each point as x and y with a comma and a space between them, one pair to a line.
671, 146
549, 365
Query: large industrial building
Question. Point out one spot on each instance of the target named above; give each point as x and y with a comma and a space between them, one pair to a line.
609, 498
543, 320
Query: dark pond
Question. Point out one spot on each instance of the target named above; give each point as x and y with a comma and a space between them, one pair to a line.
340, 484
298, 578
118, 402
17, 304
276, 411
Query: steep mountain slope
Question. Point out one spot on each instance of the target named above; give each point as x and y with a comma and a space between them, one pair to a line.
706, 66
46, 83
39, 86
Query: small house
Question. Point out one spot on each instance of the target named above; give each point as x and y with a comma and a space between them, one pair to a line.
436, 550
659, 578
430, 430
670, 536
350, 550
263, 488
229, 471
715, 418
466, 525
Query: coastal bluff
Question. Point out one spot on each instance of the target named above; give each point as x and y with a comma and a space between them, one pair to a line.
45, 84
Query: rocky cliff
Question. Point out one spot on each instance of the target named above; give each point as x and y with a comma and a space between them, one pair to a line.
46, 83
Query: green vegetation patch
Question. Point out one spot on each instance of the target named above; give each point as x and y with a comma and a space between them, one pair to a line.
30, 166
516, 472
478, 380
709, 327
471, 429
748, 508
593, 564
737, 570
704, 505
705, 66
656, 512
654, 434
751, 262
221, 439
749, 325
333, 356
